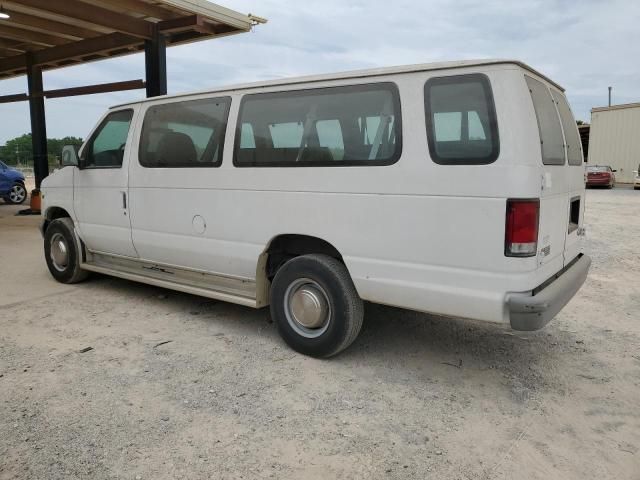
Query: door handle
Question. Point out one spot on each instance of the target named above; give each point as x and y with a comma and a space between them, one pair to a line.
124, 200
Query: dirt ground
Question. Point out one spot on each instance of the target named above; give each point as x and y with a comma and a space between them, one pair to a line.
416, 396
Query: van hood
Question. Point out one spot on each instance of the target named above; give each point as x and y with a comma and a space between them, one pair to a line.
61, 177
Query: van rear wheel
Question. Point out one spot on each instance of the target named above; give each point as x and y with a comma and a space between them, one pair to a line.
315, 305
61, 251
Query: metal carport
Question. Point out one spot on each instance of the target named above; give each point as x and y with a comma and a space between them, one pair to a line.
41, 35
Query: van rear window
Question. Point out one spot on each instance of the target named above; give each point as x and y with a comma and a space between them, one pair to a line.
551, 141
336, 126
461, 120
571, 135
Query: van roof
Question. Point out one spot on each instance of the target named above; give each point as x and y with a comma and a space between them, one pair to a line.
354, 74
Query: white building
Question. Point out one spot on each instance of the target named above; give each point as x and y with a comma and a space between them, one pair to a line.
615, 139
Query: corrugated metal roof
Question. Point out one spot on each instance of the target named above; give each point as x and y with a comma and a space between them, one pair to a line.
616, 107
56, 33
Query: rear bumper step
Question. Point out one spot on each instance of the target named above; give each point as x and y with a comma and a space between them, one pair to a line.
534, 311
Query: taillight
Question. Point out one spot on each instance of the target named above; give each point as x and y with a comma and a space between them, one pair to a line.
521, 227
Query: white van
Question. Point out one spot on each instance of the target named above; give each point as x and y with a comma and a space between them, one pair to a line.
450, 188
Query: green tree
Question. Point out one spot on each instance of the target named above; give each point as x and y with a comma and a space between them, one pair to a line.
19, 149
54, 146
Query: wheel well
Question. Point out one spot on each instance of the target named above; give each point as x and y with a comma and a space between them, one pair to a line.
281, 249
52, 214
285, 247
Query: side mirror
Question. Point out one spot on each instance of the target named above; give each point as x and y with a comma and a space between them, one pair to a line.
69, 156
614, 171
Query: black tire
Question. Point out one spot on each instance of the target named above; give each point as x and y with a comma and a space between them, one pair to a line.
19, 193
61, 230
344, 304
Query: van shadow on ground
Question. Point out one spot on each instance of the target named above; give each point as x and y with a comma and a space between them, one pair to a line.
408, 341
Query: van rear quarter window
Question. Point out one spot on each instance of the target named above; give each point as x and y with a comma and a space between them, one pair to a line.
462, 127
335, 126
571, 135
551, 141
184, 134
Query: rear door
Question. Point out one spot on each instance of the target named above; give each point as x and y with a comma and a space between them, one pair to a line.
574, 175
562, 178
177, 216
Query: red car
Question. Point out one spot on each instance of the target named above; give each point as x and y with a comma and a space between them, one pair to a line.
600, 176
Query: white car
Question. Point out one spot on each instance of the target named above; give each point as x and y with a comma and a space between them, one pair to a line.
452, 188
636, 179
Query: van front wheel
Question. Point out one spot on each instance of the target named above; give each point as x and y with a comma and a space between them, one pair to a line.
61, 252
315, 305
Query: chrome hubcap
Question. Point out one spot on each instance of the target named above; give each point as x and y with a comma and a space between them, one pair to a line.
307, 308
59, 252
17, 193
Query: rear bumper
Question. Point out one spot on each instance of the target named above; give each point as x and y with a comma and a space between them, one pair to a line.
535, 310
598, 181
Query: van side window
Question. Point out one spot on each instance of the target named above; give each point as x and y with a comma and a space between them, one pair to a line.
461, 120
105, 149
570, 128
548, 123
184, 134
336, 126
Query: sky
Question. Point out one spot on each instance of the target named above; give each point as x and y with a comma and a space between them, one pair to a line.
584, 46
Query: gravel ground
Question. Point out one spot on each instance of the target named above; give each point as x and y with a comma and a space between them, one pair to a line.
416, 396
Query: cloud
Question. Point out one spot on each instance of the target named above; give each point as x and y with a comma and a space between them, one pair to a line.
585, 47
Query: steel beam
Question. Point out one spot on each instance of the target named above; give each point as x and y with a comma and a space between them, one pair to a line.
75, 91
18, 97
38, 122
93, 89
155, 61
